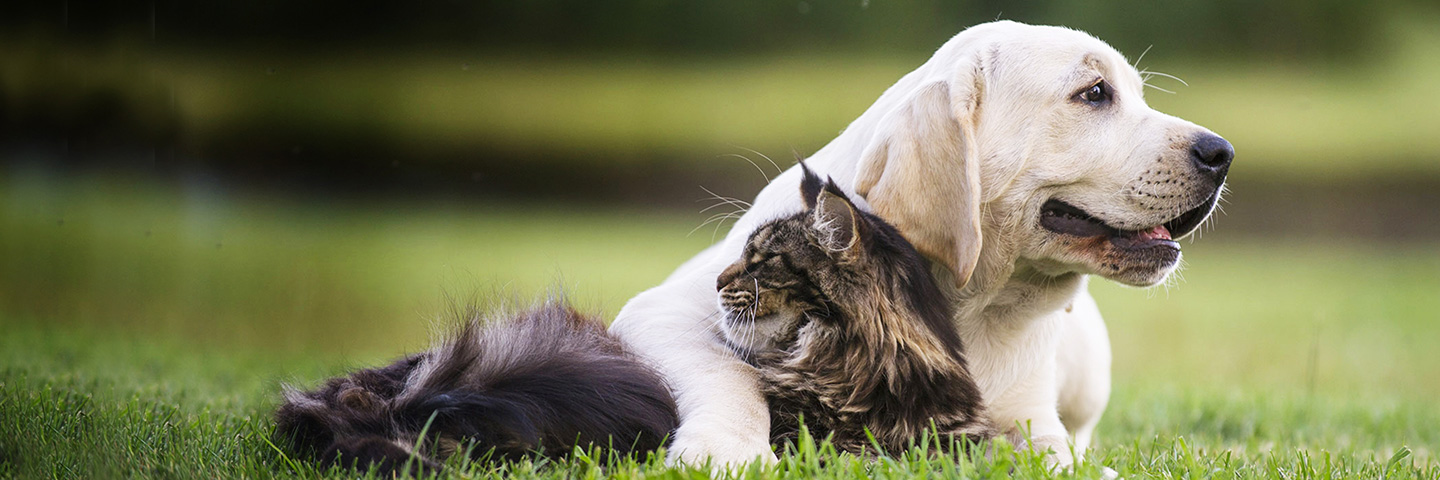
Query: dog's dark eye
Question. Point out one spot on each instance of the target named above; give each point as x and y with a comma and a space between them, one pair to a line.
1097, 94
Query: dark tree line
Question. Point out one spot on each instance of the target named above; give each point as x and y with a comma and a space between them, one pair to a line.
84, 113
1264, 29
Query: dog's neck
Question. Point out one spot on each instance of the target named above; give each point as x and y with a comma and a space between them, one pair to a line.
1010, 292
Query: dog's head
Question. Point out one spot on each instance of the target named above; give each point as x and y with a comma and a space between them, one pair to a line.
1036, 144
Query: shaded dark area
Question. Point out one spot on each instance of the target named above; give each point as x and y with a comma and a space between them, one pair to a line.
93, 87
370, 172
1321, 28
1383, 208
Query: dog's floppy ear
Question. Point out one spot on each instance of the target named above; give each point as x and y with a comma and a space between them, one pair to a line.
920, 173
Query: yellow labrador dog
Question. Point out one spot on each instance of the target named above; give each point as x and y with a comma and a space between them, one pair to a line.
1019, 159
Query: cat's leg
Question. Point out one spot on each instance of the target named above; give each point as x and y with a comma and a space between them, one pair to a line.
723, 415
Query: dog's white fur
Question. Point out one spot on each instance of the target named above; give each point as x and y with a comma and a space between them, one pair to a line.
960, 155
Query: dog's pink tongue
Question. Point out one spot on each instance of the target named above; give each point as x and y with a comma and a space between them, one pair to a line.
1159, 232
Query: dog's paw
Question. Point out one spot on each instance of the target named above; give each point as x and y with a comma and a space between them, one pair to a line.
1057, 451
721, 447
1059, 456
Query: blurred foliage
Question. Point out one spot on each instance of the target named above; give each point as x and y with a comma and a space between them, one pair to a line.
528, 95
106, 94
1267, 29
523, 98
458, 113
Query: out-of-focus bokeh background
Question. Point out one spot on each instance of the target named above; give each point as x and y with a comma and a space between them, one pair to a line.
307, 185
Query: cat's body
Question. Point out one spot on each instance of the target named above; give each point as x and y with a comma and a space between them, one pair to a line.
848, 329
858, 339
544, 380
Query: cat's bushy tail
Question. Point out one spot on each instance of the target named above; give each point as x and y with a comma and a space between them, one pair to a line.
545, 380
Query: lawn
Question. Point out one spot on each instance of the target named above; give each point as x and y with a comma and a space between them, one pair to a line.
147, 329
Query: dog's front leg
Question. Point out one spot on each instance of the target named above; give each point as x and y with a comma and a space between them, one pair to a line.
723, 415
1020, 382
1026, 410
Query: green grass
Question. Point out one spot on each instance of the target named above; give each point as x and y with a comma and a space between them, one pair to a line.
145, 331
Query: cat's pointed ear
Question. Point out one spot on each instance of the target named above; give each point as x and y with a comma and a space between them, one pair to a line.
810, 186
836, 221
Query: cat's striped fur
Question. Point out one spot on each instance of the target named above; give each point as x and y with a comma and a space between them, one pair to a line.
859, 334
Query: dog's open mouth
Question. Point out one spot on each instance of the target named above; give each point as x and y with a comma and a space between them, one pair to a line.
1063, 218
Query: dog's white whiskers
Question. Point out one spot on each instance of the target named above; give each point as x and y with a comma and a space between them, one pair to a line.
1136, 65
1166, 75
1207, 225
1146, 75
1172, 92
1221, 198
1176, 277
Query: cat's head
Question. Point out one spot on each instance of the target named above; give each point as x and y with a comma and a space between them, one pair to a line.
818, 267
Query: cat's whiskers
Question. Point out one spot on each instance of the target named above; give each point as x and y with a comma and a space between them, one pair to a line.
754, 327
716, 320
750, 333
755, 314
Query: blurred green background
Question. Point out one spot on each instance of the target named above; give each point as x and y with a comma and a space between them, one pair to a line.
309, 185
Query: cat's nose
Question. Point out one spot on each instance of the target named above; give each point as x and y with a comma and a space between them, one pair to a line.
729, 275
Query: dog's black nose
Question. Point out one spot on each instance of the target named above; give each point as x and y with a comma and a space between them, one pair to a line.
1212, 156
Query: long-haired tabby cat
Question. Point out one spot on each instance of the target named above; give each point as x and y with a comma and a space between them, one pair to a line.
834, 307
543, 380
848, 329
